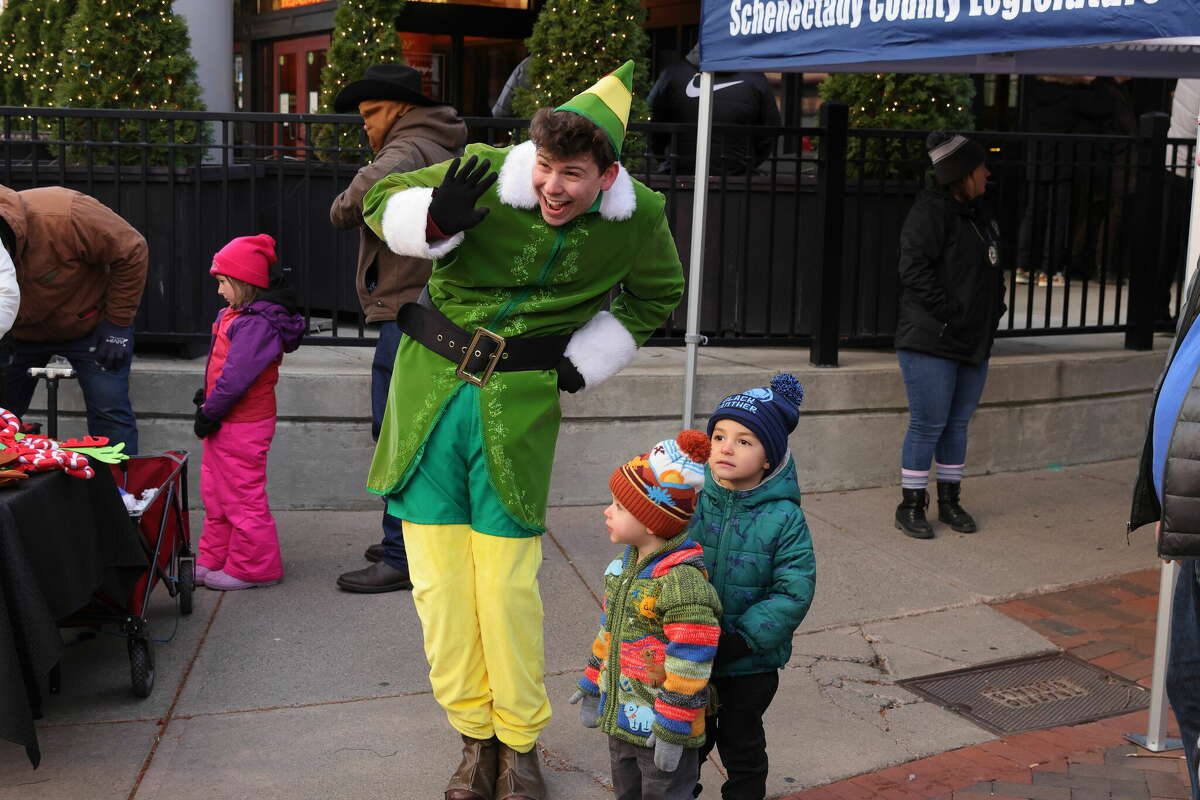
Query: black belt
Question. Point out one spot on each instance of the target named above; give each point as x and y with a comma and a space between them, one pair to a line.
478, 353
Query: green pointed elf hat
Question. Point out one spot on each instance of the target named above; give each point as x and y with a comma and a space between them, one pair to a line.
607, 103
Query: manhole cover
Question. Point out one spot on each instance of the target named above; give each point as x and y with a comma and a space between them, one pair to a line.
1027, 694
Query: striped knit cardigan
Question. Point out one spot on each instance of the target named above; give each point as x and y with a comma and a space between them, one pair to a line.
658, 635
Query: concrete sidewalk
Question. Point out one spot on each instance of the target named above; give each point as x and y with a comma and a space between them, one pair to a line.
301, 691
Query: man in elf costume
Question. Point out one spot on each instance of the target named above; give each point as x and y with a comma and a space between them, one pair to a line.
525, 257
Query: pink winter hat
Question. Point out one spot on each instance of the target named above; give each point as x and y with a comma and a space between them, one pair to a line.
247, 258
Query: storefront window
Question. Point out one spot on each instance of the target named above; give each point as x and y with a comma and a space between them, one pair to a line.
487, 63
519, 4
239, 82
429, 54
280, 5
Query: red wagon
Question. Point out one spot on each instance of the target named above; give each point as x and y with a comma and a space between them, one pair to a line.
166, 538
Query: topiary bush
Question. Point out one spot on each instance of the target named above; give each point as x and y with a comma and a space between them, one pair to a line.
898, 101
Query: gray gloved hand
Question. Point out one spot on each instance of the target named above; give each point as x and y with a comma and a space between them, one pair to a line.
589, 711
666, 755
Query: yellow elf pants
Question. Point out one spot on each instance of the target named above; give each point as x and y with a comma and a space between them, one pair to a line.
481, 614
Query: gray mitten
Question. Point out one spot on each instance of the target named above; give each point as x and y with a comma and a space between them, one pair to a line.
589, 711
666, 755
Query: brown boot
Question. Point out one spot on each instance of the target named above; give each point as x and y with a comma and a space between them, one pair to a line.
520, 775
475, 778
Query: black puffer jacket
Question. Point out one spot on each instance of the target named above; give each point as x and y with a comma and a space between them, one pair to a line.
1181, 520
951, 292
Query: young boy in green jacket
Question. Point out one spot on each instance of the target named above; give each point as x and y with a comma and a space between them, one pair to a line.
756, 542
646, 682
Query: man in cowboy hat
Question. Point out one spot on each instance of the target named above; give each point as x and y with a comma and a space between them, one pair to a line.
511, 316
407, 131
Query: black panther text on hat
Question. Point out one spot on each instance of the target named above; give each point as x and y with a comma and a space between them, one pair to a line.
954, 156
384, 82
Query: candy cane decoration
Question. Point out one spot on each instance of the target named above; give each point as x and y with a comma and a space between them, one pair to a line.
11, 425
41, 453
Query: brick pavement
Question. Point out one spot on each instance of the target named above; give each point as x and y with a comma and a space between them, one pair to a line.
1108, 623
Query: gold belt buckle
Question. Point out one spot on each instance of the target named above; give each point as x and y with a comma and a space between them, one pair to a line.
471, 351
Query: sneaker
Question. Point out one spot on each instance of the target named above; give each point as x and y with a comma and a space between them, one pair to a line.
1022, 276
200, 573
216, 579
1057, 279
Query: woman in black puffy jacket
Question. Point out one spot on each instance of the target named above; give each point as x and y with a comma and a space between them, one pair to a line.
951, 299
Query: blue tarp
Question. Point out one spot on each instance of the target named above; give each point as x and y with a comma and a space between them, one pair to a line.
1153, 58
815, 35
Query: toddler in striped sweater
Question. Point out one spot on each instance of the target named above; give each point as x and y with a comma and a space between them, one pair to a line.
646, 681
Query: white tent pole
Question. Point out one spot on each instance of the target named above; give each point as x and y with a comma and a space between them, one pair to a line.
1156, 739
693, 339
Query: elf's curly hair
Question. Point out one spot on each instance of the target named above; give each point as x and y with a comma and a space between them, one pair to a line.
565, 134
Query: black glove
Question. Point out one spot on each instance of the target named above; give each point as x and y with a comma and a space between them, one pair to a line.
569, 379
453, 206
114, 345
205, 426
731, 647
198, 397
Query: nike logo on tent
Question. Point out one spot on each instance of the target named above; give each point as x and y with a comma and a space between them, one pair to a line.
693, 87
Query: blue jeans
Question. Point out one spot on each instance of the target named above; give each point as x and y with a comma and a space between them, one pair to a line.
1183, 666
942, 396
105, 394
381, 378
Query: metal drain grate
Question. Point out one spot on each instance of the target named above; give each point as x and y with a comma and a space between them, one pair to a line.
1028, 694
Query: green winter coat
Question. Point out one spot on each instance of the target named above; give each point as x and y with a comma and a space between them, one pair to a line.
517, 276
760, 560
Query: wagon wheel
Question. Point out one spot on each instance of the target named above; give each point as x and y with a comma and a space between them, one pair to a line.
141, 665
187, 584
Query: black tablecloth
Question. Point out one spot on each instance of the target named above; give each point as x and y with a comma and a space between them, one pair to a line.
61, 539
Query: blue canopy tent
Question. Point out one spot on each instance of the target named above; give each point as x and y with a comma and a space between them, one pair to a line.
1147, 38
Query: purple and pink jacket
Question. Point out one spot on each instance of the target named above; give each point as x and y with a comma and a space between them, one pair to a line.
243, 361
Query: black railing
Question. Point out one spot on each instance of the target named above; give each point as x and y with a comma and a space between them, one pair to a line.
802, 229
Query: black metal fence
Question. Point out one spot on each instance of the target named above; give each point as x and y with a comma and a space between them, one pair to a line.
802, 228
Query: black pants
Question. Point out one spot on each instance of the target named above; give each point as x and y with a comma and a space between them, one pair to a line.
737, 733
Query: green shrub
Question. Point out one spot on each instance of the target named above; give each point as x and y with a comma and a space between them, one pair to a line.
577, 42
899, 101
31, 33
130, 54
364, 33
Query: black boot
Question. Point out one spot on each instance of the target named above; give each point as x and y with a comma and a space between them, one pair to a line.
950, 512
910, 514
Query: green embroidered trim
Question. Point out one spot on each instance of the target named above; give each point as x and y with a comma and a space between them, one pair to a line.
522, 268
501, 466
444, 383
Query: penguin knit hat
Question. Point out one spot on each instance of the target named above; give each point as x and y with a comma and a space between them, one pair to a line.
954, 157
660, 487
770, 412
247, 258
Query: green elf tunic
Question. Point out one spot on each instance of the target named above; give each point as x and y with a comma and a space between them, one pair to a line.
516, 275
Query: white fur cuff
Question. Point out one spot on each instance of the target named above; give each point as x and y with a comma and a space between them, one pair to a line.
600, 349
404, 219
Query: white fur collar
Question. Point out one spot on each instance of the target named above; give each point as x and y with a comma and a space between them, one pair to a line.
515, 185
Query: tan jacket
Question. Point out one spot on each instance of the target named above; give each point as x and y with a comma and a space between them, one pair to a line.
77, 262
384, 280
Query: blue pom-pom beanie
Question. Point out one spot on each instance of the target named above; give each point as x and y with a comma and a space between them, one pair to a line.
770, 412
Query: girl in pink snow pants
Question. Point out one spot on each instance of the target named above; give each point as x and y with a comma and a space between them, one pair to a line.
235, 416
